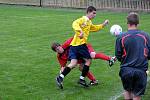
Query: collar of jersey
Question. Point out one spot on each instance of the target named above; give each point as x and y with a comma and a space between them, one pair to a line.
86, 17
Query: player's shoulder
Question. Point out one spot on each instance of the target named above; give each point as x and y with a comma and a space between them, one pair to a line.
143, 32
85, 18
122, 34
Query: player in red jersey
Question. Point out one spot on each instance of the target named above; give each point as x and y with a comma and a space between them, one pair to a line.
63, 53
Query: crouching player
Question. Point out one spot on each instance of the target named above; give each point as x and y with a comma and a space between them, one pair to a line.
63, 53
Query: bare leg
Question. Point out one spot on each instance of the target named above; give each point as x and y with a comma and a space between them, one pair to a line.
59, 79
127, 95
137, 98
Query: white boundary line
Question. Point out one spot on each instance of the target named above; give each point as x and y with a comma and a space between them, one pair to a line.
121, 93
32, 17
28, 17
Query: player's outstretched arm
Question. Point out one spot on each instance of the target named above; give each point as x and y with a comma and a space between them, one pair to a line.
106, 22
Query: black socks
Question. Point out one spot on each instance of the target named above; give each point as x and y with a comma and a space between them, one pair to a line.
85, 70
66, 71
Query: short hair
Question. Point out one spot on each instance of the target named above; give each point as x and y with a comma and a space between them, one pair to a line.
90, 9
54, 46
133, 18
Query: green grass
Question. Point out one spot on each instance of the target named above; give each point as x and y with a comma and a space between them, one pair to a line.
147, 94
28, 67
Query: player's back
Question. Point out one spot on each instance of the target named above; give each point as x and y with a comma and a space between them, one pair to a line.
135, 50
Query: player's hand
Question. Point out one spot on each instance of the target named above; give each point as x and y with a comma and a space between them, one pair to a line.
106, 22
112, 61
81, 35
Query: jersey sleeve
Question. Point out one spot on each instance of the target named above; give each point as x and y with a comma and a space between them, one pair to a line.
67, 43
76, 25
90, 48
62, 62
95, 28
118, 49
148, 45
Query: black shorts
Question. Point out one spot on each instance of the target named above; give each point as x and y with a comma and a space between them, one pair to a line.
133, 80
79, 52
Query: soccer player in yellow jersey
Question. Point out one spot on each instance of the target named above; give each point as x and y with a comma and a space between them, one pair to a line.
78, 48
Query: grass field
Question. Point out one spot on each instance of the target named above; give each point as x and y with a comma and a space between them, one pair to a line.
28, 67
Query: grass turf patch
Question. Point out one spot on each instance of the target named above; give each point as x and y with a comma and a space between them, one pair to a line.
28, 66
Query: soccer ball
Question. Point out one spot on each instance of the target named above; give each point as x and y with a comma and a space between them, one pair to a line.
116, 30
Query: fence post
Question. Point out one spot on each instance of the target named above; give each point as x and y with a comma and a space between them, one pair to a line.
40, 3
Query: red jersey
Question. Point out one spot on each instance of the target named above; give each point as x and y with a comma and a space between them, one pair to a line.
63, 58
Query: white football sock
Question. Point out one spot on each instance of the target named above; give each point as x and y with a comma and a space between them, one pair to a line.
61, 75
81, 77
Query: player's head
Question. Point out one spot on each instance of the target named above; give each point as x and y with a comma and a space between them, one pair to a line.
133, 19
91, 12
57, 47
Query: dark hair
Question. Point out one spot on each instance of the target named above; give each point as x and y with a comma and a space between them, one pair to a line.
54, 46
90, 9
133, 18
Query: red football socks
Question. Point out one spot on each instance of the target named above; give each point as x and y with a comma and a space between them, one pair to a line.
101, 56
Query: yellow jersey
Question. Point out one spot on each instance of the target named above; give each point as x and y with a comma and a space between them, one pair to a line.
85, 25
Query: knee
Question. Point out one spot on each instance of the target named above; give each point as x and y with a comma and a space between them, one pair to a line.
72, 64
92, 54
81, 67
88, 62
